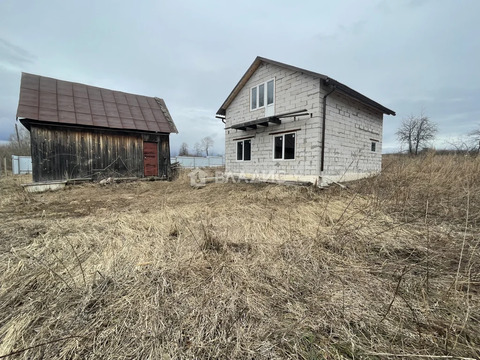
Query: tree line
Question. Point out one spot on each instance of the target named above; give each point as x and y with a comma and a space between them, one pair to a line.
201, 148
418, 131
18, 144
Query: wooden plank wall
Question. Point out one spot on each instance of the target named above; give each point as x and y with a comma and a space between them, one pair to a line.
64, 153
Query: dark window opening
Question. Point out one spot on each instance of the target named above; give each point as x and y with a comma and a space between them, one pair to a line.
244, 150
240, 150
284, 147
278, 147
374, 146
247, 150
289, 146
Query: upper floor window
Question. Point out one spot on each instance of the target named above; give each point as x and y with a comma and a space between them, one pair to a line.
262, 94
284, 147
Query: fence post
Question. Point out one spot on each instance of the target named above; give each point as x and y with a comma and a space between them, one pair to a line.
5, 165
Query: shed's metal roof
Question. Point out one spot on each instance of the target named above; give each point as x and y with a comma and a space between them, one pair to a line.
338, 85
56, 101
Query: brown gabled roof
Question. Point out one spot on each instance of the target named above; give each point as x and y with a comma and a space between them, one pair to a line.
338, 85
55, 101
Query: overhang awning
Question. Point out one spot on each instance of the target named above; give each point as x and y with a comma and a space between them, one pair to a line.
253, 124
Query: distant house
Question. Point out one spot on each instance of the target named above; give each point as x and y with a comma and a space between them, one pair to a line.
81, 131
293, 124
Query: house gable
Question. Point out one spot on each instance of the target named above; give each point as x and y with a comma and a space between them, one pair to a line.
331, 82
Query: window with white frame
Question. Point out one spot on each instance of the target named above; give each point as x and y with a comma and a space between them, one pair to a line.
244, 150
262, 94
284, 146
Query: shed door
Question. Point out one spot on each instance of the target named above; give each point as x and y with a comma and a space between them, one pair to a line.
150, 158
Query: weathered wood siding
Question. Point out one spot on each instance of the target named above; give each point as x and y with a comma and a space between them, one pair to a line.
60, 153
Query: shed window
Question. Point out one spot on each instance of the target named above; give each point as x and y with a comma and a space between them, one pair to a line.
284, 147
244, 150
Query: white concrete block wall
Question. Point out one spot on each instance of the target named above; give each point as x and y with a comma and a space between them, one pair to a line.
351, 127
293, 91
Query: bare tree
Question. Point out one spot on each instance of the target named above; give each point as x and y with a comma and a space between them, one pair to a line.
20, 141
18, 144
183, 149
416, 132
206, 144
475, 140
198, 150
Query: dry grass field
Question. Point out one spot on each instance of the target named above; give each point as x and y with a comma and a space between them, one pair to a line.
388, 268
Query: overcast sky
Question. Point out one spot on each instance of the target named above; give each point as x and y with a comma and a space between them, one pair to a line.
406, 55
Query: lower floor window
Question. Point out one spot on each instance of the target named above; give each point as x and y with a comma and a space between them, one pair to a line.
374, 146
244, 150
284, 146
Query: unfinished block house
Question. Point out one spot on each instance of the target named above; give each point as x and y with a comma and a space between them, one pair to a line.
284, 123
85, 132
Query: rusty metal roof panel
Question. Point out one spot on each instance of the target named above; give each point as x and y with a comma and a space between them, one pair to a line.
114, 122
153, 103
131, 100
30, 81
142, 102
84, 119
30, 112
100, 121
148, 114
128, 123
64, 88
80, 91
48, 85
65, 103
97, 107
51, 100
120, 98
111, 109
82, 105
48, 100
153, 126
136, 112
124, 111
94, 93
107, 95
141, 125
48, 115
67, 117
29, 97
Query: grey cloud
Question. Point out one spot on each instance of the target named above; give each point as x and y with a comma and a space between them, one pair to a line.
14, 55
405, 55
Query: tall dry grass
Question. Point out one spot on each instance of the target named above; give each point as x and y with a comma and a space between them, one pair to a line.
162, 270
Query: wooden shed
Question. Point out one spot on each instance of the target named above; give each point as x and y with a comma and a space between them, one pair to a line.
82, 131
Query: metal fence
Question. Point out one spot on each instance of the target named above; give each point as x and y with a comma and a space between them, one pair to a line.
193, 162
21, 165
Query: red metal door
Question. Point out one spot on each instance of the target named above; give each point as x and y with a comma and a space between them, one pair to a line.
150, 159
